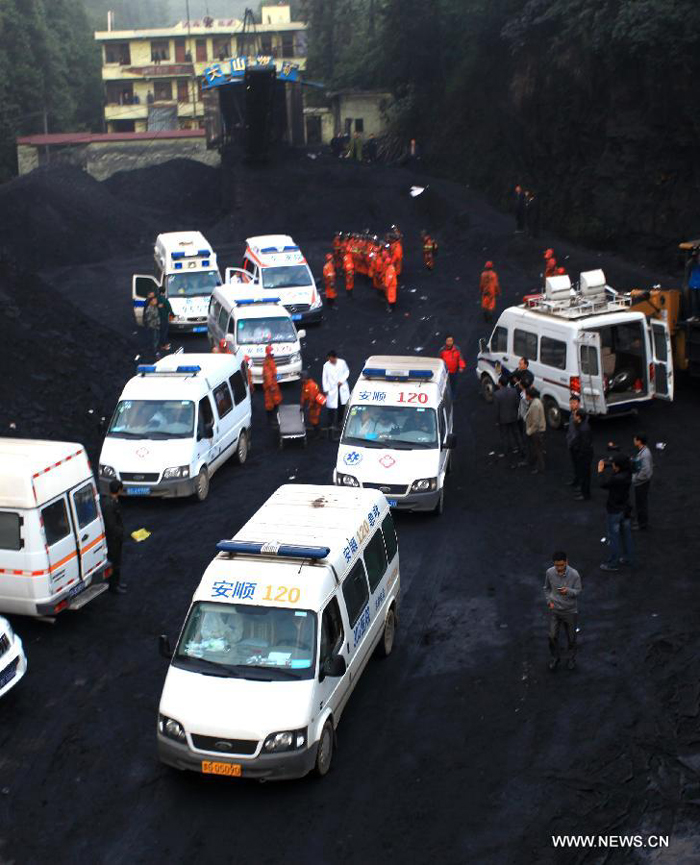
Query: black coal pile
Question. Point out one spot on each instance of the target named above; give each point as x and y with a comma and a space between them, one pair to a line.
60, 215
181, 188
62, 370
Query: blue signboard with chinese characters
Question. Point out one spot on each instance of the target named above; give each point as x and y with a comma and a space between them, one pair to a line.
233, 69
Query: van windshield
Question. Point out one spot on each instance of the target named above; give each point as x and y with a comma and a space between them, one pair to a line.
152, 419
196, 283
391, 426
291, 276
224, 639
254, 331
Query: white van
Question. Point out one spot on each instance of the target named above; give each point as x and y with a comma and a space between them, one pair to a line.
176, 423
280, 629
53, 553
186, 266
585, 341
13, 661
397, 434
278, 265
251, 321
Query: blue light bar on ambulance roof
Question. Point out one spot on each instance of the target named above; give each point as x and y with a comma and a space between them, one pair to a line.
273, 549
177, 255
397, 374
246, 301
189, 369
143, 368
272, 250
203, 252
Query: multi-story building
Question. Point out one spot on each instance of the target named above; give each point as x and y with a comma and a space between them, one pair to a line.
153, 78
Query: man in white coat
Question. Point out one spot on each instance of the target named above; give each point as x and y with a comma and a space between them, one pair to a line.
335, 387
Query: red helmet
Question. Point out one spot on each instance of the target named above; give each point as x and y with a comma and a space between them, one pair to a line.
223, 344
329, 256
268, 349
549, 253
561, 271
488, 265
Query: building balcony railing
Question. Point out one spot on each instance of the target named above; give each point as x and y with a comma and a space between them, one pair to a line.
150, 70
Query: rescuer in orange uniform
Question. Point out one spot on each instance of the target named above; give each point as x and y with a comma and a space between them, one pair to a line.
490, 289
379, 268
430, 249
329, 280
349, 266
550, 264
310, 392
389, 283
271, 388
338, 250
396, 248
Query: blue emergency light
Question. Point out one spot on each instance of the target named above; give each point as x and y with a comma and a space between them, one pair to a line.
178, 266
273, 250
193, 369
143, 368
203, 252
205, 263
177, 255
397, 374
272, 549
246, 301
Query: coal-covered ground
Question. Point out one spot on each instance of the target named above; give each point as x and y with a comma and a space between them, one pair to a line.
461, 747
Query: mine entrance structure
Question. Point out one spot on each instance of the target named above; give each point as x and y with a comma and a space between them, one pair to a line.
250, 105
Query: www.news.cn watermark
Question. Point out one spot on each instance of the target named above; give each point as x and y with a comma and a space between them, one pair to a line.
610, 841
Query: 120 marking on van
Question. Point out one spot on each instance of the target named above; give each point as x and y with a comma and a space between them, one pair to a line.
413, 397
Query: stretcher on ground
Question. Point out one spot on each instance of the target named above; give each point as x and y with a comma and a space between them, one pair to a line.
291, 424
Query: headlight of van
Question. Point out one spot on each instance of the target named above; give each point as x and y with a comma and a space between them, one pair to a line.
172, 729
295, 358
107, 471
316, 300
288, 740
176, 472
424, 485
347, 481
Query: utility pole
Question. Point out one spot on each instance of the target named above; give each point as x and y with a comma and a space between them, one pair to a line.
193, 78
46, 132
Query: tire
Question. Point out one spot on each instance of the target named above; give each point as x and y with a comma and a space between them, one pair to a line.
242, 448
201, 484
552, 413
440, 506
487, 387
324, 754
386, 644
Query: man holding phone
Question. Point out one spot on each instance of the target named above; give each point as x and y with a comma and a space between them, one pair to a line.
562, 586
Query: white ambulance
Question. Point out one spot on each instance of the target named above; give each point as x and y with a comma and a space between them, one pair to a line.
13, 661
186, 266
583, 340
251, 321
280, 629
397, 434
53, 553
176, 423
276, 263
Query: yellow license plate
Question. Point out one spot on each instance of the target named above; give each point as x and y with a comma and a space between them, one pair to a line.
213, 768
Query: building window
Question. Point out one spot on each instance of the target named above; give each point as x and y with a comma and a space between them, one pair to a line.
201, 48
359, 124
287, 45
120, 93
182, 91
163, 91
118, 52
221, 48
266, 44
160, 50
180, 51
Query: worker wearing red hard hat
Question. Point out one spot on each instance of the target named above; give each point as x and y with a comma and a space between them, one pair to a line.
390, 283
490, 288
329, 280
349, 268
312, 396
271, 388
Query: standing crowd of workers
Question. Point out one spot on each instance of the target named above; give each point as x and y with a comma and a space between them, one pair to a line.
365, 254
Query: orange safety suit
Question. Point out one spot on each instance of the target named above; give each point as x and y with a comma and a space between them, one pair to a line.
329, 280
271, 388
490, 288
390, 283
550, 267
349, 266
309, 391
337, 250
379, 268
429, 251
397, 256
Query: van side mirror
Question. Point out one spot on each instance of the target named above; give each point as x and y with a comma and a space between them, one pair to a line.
483, 346
164, 647
301, 334
450, 441
333, 667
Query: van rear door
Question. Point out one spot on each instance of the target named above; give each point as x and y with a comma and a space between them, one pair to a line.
590, 373
663, 360
64, 569
141, 286
90, 528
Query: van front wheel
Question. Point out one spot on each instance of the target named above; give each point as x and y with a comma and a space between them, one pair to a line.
487, 387
552, 413
201, 484
324, 755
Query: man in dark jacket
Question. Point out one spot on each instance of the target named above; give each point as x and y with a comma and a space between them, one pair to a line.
114, 533
507, 401
164, 313
562, 586
519, 197
583, 454
571, 434
619, 529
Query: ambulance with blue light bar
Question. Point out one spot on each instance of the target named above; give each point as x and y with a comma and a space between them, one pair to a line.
250, 320
187, 267
276, 263
53, 552
279, 631
397, 436
176, 423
